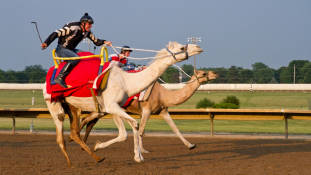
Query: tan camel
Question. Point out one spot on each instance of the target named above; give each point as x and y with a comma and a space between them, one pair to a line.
159, 101
120, 86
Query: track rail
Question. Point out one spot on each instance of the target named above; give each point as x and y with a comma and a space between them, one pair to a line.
184, 114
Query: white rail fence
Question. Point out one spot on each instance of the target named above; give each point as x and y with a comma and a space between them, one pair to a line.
206, 87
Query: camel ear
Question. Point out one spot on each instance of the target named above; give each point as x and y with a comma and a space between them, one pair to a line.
169, 44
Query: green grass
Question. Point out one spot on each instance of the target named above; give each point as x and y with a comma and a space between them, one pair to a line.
21, 99
248, 100
255, 100
156, 125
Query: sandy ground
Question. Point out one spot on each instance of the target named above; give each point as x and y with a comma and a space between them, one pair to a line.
38, 153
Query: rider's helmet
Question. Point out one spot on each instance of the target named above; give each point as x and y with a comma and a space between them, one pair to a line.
87, 18
126, 48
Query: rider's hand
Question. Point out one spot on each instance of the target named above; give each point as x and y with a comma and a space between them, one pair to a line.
108, 43
44, 45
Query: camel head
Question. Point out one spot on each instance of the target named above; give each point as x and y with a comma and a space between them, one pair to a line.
203, 76
179, 51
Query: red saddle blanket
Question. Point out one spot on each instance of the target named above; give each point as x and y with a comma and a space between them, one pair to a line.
79, 80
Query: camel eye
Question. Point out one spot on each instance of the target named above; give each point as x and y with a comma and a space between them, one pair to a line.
204, 74
183, 48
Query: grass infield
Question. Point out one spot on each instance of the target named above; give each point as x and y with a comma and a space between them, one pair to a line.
248, 100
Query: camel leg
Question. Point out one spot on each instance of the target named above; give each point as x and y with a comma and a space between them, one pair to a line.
88, 118
74, 114
92, 120
164, 113
115, 109
57, 112
121, 137
144, 119
88, 129
92, 116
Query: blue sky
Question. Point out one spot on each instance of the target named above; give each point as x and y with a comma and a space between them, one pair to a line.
233, 32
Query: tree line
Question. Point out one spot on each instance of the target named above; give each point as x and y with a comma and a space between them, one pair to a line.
260, 73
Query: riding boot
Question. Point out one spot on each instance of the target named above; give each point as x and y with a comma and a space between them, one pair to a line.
60, 79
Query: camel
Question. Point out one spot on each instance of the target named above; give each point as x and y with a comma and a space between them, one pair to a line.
158, 102
120, 86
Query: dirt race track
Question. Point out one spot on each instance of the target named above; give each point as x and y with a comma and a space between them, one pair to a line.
40, 154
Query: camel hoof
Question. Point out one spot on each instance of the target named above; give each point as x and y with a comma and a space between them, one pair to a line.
100, 159
95, 149
140, 161
191, 146
145, 151
71, 166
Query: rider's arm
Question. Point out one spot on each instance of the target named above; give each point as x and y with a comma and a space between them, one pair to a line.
66, 30
97, 42
131, 67
51, 38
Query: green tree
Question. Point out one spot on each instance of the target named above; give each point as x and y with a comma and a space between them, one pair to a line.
277, 73
298, 64
286, 76
258, 66
273, 81
262, 73
36, 74
189, 69
303, 72
246, 75
36, 77
35, 68
10, 77
222, 75
233, 75
2, 76
307, 78
22, 77
171, 75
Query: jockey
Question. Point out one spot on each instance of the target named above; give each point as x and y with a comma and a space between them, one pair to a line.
121, 60
68, 38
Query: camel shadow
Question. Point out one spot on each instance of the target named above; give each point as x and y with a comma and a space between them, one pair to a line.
242, 149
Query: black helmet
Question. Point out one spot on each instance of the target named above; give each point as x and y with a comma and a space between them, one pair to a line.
126, 48
87, 18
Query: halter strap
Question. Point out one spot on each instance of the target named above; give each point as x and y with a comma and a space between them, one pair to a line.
200, 77
184, 51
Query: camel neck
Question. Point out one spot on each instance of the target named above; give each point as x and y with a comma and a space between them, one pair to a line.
173, 98
137, 82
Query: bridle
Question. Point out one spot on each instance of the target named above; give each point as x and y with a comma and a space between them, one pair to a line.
184, 51
206, 76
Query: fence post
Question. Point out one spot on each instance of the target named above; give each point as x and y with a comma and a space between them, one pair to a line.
251, 87
31, 126
211, 117
33, 101
13, 129
286, 126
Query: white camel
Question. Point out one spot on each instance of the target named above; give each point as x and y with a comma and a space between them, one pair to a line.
158, 102
120, 86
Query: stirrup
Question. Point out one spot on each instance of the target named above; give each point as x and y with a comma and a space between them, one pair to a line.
61, 82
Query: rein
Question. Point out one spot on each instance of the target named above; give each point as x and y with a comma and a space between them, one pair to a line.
184, 51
